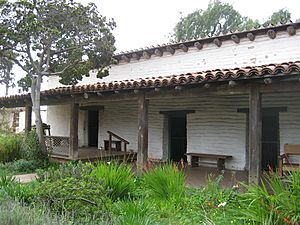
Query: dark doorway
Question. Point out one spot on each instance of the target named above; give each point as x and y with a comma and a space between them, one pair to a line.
270, 140
178, 137
93, 127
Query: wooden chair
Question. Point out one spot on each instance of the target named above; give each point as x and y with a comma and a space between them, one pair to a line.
285, 162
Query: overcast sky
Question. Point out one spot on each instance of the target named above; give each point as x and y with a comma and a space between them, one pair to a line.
142, 23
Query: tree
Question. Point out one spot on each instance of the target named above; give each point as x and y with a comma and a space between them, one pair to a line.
54, 38
281, 16
216, 19
6, 76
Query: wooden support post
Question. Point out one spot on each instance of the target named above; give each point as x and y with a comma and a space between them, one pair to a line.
125, 153
73, 145
255, 135
109, 143
142, 155
28, 118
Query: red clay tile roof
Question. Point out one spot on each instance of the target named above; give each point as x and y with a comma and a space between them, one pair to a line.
250, 72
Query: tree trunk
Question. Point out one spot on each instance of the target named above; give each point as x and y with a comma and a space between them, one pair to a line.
6, 89
36, 102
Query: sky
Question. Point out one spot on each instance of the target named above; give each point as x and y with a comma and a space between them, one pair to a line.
142, 23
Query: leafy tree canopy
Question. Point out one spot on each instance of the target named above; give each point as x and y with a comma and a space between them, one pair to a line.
218, 18
54, 37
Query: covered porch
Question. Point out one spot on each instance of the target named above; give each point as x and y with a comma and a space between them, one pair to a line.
235, 102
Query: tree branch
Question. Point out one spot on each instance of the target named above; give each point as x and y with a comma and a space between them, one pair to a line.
80, 199
56, 73
65, 50
18, 63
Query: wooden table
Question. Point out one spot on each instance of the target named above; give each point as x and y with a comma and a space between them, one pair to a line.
219, 158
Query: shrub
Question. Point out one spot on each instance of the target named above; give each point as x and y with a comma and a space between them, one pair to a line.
31, 148
78, 193
70, 169
119, 179
23, 166
10, 147
165, 182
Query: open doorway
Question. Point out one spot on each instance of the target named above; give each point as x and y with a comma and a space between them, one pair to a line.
93, 127
270, 140
270, 136
177, 137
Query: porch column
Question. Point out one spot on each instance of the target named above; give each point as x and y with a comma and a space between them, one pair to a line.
142, 154
73, 145
28, 118
255, 135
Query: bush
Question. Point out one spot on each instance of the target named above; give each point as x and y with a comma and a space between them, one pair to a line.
31, 148
10, 147
77, 193
165, 182
119, 179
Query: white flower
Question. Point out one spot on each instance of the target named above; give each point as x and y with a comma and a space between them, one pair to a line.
222, 204
108, 163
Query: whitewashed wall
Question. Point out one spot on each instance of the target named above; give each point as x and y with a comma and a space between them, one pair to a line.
215, 127
21, 126
262, 50
59, 119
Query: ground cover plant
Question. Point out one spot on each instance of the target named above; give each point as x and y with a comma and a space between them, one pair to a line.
82, 193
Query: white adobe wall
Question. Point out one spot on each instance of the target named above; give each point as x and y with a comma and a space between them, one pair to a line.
215, 127
262, 50
59, 119
21, 126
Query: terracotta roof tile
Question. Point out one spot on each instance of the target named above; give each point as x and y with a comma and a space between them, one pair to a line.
174, 80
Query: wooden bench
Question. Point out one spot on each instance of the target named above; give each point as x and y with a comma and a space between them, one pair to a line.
285, 163
219, 158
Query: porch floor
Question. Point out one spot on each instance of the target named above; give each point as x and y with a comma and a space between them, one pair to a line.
197, 176
93, 154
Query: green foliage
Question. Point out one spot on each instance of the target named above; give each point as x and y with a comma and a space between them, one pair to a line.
10, 187
219, 18
165, 182
31, 148
119, 179
276, 201
71, 169
140, 212
16, 213
54, 37
76, 193
10, 147
281, 16
23, 166
80, 193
